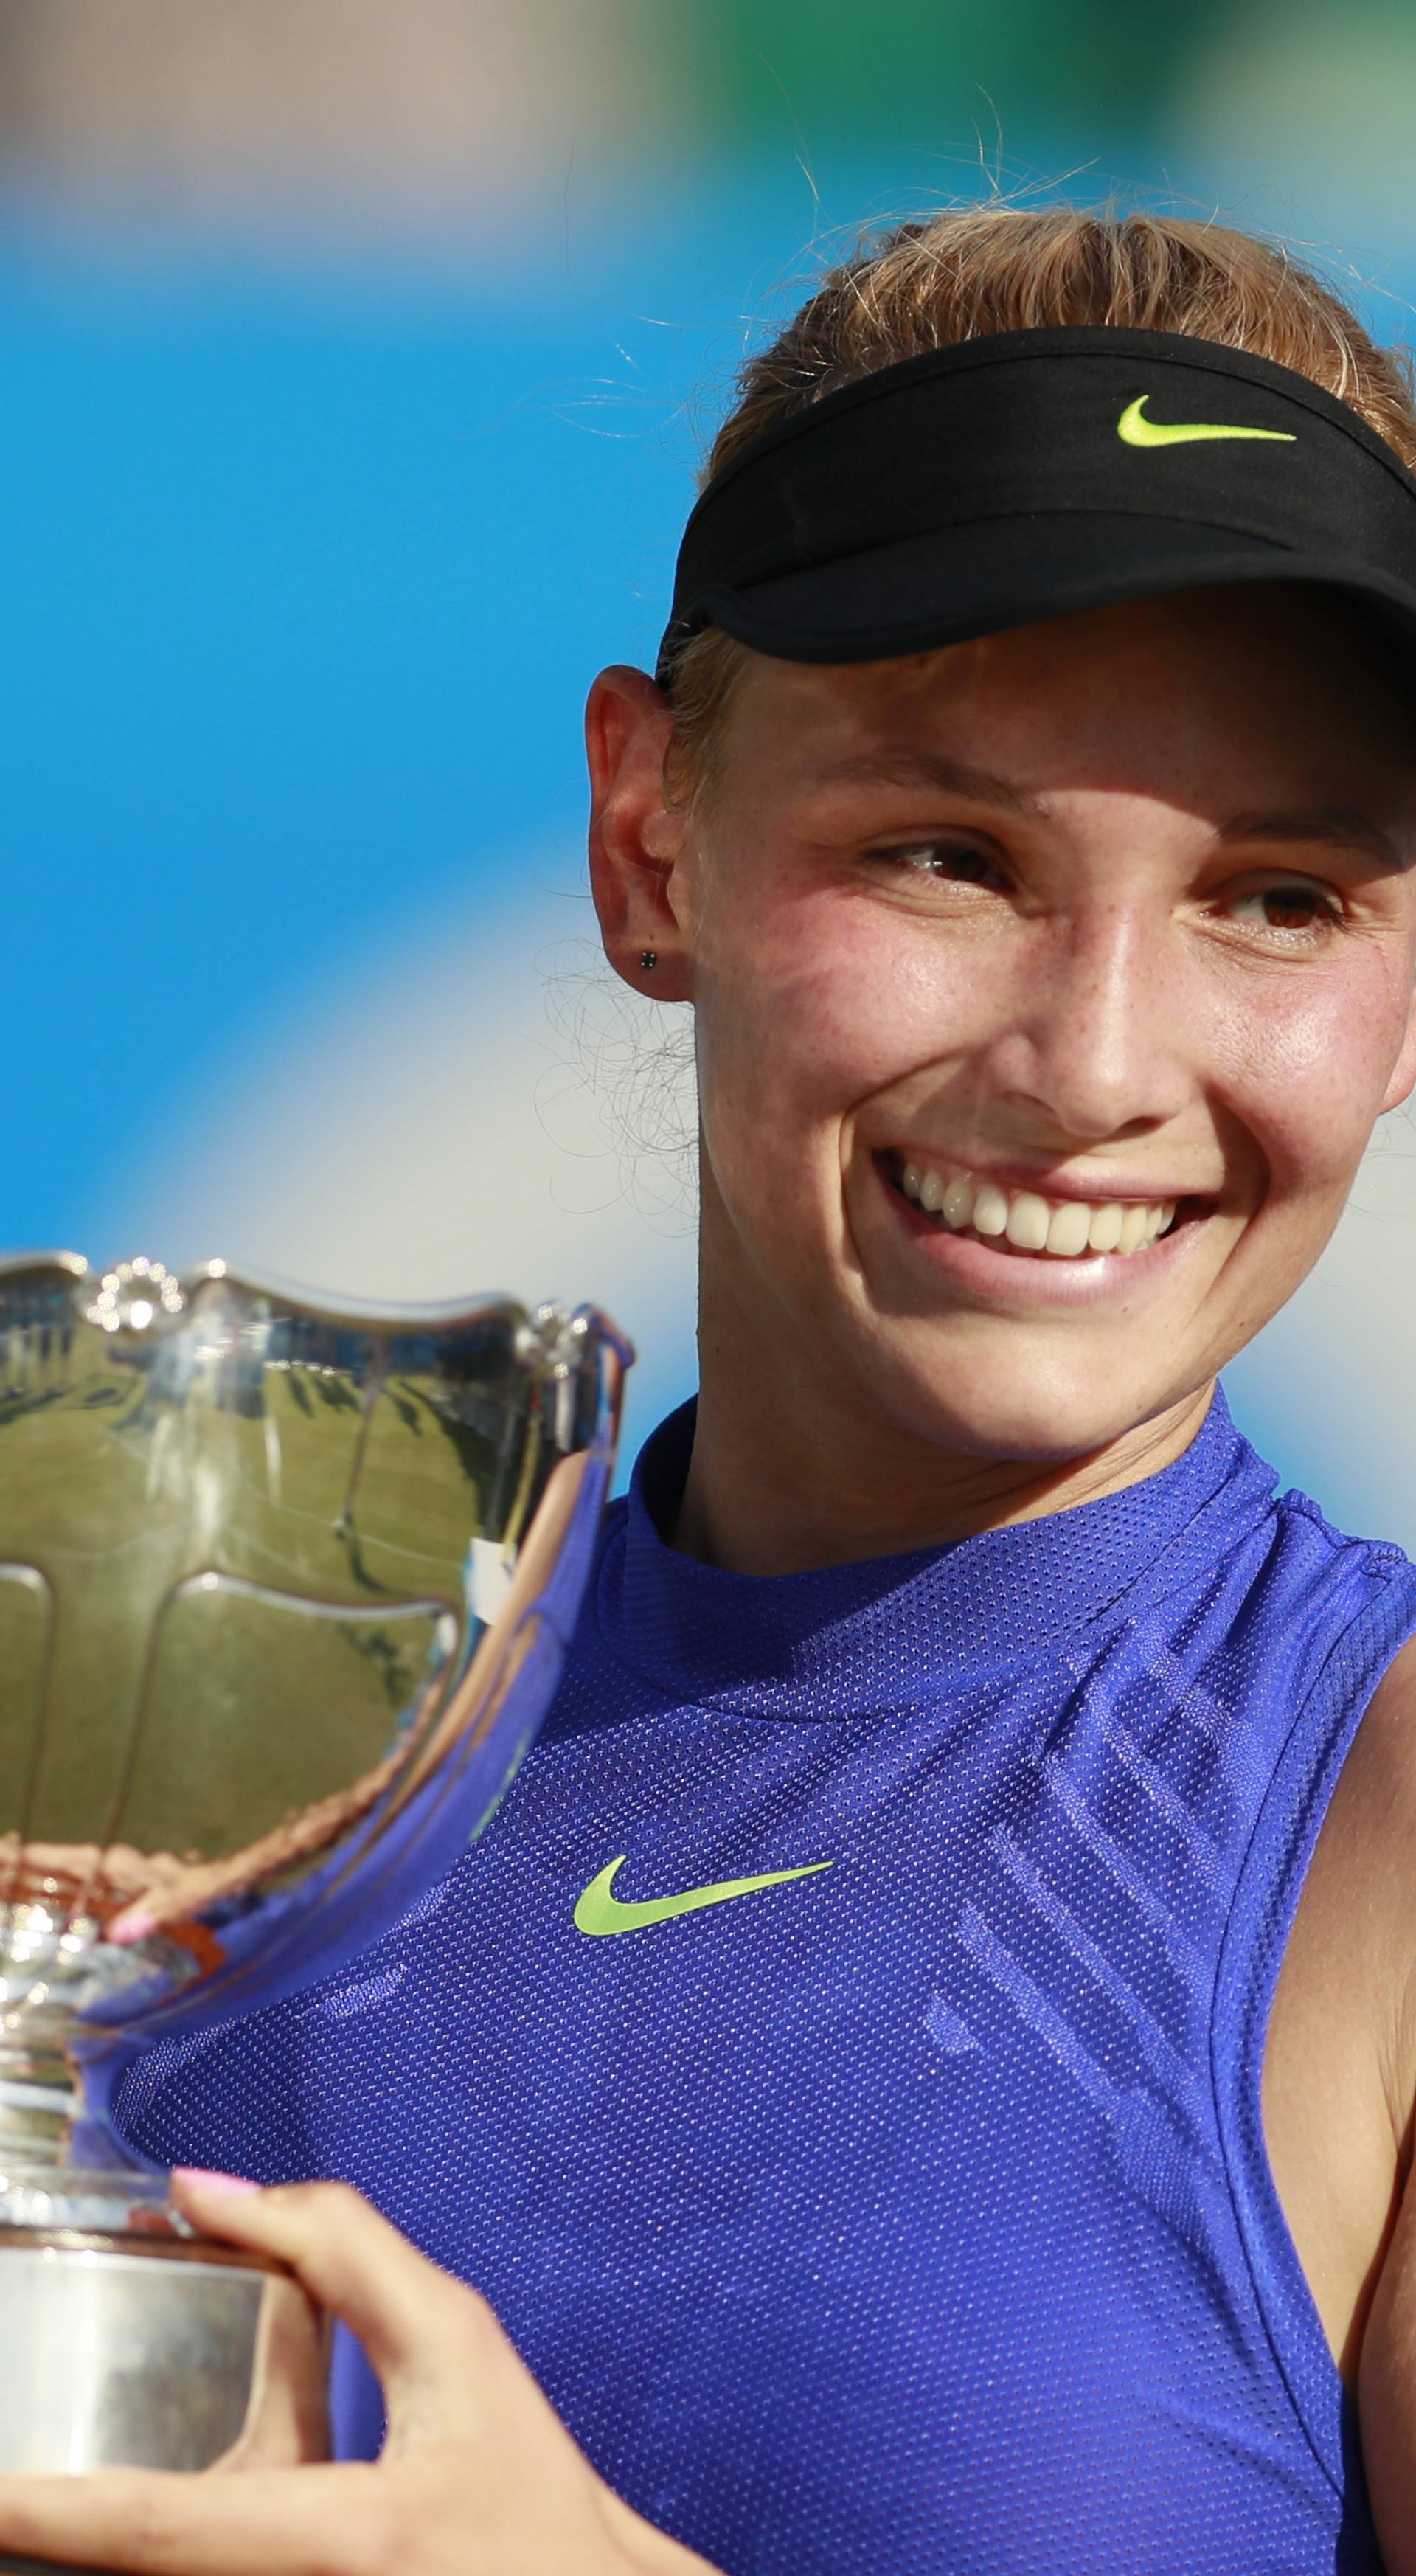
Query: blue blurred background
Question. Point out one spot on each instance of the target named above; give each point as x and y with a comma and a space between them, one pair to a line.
358, 355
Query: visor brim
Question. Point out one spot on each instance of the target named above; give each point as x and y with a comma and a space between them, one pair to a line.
919, 593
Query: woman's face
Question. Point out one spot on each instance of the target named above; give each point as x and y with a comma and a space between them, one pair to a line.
1093, 935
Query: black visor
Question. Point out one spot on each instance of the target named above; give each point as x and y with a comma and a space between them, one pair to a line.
1032, 474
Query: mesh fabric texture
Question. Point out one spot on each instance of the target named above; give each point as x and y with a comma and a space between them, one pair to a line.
911, 2218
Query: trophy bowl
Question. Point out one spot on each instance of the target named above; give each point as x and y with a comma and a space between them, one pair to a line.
286, 1585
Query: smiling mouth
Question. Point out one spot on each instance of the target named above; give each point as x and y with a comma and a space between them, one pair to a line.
1017, 1220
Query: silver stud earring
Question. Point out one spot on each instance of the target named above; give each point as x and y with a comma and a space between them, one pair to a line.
648, 959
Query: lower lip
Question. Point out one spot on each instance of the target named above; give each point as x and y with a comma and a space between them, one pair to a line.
1041, 1278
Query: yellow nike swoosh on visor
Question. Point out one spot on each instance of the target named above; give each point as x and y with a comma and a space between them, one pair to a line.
598, 1910
1137, 431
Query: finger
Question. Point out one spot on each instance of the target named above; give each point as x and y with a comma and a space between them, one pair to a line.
287, 2405
145, 2522
411, 2318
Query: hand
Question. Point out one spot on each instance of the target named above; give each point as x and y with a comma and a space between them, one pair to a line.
478, 2476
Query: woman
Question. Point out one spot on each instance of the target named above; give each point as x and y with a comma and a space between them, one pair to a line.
852, 2068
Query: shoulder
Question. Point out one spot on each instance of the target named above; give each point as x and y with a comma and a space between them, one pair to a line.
1378, 1782
1356, 1894
1356, 1903
1313, 1612
1359, 1886
1339, 2077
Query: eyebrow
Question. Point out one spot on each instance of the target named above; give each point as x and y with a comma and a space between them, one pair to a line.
928, 769
1334, 825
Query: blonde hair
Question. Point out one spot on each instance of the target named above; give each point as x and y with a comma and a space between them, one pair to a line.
963, 275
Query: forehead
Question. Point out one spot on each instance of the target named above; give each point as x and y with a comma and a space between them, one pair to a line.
1283, 681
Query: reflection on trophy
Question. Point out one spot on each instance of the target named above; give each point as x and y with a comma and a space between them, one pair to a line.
285, 1588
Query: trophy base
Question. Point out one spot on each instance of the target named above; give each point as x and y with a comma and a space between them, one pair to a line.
121, 2350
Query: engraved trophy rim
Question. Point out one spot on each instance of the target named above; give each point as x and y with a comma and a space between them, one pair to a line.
302, 1297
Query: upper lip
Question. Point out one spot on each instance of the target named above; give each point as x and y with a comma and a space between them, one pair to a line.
1088, 1187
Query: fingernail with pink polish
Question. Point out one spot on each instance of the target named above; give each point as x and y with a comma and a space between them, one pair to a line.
232, 2184
133, 1924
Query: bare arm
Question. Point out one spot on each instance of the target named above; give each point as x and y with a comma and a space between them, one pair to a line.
1339, 2091
1387, 2397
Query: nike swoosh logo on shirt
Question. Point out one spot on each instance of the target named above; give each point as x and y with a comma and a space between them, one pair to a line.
599, 1910
1137, 431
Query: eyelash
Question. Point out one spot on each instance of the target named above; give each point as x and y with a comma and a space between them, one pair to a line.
921, 858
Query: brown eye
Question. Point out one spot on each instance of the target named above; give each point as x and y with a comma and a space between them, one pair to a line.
1290, 909
1286, 907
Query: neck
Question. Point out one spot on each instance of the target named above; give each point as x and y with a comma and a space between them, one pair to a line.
788, 1474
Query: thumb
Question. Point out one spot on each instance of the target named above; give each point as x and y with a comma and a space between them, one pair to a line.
417, 2324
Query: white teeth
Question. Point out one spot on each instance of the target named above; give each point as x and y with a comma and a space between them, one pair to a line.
1063, 1228
1068, 1228
959, 1202
1104, 1232
1028, 1221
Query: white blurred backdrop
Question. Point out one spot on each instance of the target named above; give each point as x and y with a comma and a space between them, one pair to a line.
481, 1105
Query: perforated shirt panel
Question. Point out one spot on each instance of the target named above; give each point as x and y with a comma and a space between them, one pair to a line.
910, 2217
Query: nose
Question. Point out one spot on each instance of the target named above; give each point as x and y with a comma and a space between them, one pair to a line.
1098, 1044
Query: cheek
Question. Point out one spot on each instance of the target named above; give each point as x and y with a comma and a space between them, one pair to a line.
823, 1010
1308, 1080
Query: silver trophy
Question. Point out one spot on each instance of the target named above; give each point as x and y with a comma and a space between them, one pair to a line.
285, 1589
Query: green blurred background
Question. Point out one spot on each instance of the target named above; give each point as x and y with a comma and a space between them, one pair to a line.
905, 70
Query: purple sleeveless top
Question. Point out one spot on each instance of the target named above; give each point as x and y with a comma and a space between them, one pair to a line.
909, 2216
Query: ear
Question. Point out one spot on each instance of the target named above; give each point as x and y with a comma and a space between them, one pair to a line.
636, 838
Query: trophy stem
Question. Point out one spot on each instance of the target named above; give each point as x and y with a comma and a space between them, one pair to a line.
58, 2166
41, 2090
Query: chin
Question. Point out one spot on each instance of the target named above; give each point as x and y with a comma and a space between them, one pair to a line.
1013, 1411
